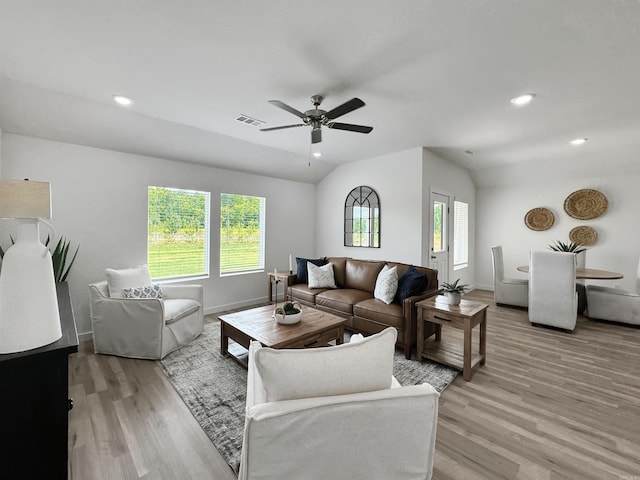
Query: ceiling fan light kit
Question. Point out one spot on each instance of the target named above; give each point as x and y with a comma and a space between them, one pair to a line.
318, 118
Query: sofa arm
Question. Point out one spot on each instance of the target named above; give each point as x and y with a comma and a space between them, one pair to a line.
410, 314
188, 291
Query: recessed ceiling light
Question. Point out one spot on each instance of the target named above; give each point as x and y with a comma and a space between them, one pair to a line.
578, 141
122, 100
523, 99
316, 154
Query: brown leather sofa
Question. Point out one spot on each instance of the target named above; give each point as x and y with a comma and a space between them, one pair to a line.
353, 299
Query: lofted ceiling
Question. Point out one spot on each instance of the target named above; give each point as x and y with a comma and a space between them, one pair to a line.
432, 73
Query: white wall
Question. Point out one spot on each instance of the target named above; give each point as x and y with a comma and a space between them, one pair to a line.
398, 182
500, 221
403, 181
99, 201
444, 177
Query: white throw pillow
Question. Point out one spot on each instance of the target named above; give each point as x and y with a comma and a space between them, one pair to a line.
386, 284
321, 277
363, 366
118, 280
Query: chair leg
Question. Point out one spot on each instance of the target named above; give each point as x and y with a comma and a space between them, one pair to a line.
407, 352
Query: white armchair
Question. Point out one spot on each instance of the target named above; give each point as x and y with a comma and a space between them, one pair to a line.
322, 413
553, 299
147, 328
507, 291
614, 304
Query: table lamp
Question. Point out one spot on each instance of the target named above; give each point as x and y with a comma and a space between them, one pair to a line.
29, 316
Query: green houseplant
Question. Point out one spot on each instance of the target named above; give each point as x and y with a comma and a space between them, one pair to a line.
454, 291
289, 313
571, 247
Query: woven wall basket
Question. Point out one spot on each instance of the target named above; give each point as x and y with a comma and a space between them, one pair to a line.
583, 235
586, 204
539, 219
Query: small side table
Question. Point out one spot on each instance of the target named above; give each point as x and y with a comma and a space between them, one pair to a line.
465, 316
285, 278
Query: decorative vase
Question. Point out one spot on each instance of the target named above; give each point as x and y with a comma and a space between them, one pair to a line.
453, 298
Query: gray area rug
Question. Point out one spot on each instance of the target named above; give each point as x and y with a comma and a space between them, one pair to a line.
214, 387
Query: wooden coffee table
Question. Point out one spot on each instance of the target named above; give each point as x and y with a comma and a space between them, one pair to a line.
316, 329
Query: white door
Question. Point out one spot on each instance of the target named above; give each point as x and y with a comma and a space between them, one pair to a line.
439, 243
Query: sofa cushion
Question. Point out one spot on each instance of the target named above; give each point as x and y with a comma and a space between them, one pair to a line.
301, 267
119, 279
386, 284
362, 274
339, 269
363, 366
410, 284
302, 292
177, 308
342, 299
321, 277
378, 311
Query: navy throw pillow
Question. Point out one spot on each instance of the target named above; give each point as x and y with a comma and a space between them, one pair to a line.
410, 283
302, 276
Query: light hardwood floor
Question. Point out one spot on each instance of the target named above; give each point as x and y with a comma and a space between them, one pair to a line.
547, 405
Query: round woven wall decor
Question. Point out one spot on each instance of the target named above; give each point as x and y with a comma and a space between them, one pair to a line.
583, 235
586, 204
539, 219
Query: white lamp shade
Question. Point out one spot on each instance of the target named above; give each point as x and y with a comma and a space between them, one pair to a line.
25, 199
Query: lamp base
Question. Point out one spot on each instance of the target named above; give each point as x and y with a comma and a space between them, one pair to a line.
29, 316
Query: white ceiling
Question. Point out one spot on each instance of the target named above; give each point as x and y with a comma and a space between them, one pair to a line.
433, 73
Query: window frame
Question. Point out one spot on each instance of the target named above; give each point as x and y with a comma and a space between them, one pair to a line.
260, 266
460, 235
206, 225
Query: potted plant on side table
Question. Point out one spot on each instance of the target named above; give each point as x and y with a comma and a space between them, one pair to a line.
454, 291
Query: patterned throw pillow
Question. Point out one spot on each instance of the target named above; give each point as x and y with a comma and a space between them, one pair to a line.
148, 291
321, 277
386, 284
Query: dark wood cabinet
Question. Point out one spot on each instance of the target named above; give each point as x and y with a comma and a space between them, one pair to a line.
34, 404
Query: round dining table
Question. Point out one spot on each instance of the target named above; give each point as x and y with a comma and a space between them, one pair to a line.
586, 273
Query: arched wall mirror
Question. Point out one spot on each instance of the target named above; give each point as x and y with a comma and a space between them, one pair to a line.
362, 218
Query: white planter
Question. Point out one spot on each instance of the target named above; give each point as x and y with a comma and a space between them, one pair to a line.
288, 319
453, 298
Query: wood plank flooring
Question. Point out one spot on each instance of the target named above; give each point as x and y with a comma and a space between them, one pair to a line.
547, 405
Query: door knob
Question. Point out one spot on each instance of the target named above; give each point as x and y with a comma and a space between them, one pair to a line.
433, 257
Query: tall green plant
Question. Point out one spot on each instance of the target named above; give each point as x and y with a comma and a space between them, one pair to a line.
59, 257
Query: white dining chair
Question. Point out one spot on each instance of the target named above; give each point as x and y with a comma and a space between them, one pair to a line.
553, 299
507, 291
614, 304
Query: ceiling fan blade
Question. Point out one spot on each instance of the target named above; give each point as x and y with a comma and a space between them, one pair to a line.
286, 107
350, 127
284, 126
345, 108
316, 135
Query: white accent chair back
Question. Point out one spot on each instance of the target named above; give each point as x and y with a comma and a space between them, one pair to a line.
147, 328
507, 291
614, 304
553, 299
387, 433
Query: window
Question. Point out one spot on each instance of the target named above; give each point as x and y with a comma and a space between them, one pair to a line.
178, 233
242, 226
362, 218
460, 234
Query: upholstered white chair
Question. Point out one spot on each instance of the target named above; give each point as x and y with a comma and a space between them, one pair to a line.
614, 304
553, 299
507, 291
147, 328
336, 412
